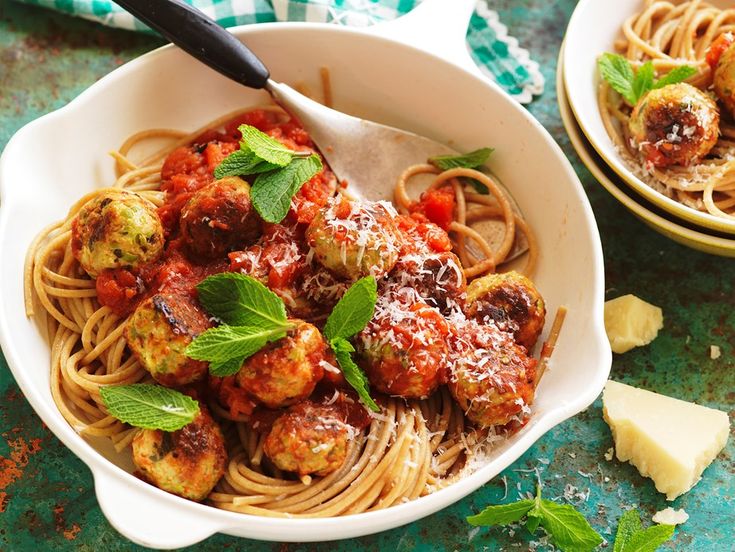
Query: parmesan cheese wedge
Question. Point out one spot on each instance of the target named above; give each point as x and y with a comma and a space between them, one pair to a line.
631, 322
669, 440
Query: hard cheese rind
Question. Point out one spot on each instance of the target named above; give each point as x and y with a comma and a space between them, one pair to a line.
668, 440
631, 322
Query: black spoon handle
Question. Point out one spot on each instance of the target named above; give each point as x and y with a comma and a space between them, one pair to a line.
202, 38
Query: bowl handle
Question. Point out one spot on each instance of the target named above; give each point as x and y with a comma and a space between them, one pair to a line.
438, 27
161, 523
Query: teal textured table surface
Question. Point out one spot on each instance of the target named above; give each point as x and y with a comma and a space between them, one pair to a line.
47, 499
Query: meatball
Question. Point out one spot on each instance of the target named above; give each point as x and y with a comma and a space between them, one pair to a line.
437, 277
491, 377
403, 348
724, 79
219, 218
285, 372
188, 462
308, 439
677, 124
355, 239
512, 302
158, 333
116, 229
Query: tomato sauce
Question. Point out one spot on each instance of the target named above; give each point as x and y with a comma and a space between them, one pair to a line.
717, 48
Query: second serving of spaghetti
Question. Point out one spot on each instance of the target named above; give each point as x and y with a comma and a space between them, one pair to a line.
447, 351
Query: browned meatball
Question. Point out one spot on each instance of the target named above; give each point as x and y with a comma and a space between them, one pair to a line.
677, 124
220, 218
158, 333
188, 462
309, 439
437, 277
286, 371
491, 377
512, 302
403, 348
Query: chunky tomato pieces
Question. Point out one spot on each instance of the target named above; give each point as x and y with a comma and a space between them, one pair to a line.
437, 206
717, 48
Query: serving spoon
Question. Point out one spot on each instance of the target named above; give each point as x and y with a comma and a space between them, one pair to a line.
360, 152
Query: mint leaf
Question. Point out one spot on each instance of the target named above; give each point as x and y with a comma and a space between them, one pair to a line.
353, 311
149, 406
470, 160
242, 162
649, 539
629, 524
241, 300
643, 81
224, 343
676, 75
272, 191
569, 530
617, 70
267, 148
343, 350
226, 368
502, 514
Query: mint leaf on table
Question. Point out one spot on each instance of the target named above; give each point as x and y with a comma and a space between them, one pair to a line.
629, 524
272, 191
240, 163
676, 75
149, 406
241, 300
470, 160
224, 343
353, 311
502, 514
267, 148
631, 537
633, 85
568, 529
343, 350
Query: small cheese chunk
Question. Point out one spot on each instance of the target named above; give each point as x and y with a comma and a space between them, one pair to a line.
714, 352
668, 440
631, 322
669, 516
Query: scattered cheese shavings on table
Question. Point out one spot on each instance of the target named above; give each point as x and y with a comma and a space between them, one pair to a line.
669, 516
631, 322
714, 352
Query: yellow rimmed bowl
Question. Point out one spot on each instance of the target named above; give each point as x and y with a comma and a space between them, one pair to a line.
592, 30
648, 213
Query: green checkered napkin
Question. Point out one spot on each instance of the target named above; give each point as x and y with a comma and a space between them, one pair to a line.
497, 54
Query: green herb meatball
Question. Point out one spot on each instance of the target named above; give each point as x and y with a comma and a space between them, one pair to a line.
404, 347
188, 462
309, 439
286, 371
437, 277
116, 229
512, 302
490, 376
724, 79
677, 124
355, 239
220, 218
158, 333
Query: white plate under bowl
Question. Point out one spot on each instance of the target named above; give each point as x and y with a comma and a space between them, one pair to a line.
715, 245
373, 77
593, 28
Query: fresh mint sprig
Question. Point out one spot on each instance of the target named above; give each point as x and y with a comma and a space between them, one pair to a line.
631, 537
253, 316
472, 160
281, 171
567, 527
349, 316
149, 406
633, 85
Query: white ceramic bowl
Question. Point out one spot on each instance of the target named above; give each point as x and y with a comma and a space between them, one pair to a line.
373, 77
715, 245
592, 30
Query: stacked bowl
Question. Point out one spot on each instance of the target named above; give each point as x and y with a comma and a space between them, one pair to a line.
594, 29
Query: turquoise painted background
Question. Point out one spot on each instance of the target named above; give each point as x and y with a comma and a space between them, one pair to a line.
47, 500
